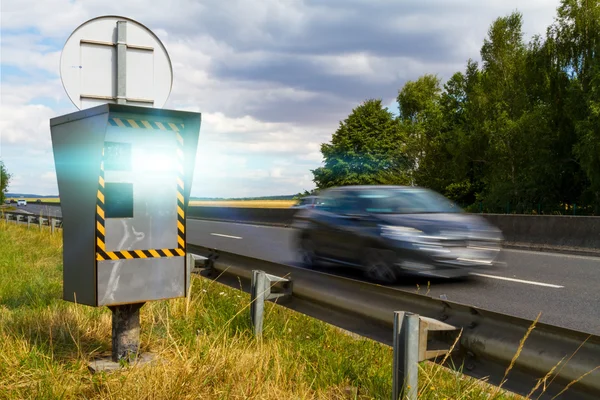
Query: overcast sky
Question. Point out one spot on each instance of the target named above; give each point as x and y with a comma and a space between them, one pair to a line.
272, 78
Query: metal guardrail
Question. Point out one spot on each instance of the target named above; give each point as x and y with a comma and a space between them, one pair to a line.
52, 222
550, 359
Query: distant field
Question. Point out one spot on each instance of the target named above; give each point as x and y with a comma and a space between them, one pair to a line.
33, 199
244, 203
208, 203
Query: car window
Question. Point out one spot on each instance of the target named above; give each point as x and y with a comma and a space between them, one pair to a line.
339, 202
405, 201
327, 203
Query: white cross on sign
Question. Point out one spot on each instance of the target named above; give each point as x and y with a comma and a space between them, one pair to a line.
91, 47
115, 60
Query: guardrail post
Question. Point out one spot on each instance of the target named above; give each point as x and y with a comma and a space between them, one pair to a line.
40, 222
192, 261
406, 356
51, 220
28, 221
260, 291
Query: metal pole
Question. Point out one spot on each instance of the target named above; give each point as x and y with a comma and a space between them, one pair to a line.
190, 265
28, 221
125, 332
121, 62
257, 298
406, 356
52, 225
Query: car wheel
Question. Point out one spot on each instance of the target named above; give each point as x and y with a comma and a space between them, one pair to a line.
307, 252
378, 266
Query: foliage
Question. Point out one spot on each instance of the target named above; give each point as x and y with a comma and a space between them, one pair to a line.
367, 148
522, 128
4, 181
306, 193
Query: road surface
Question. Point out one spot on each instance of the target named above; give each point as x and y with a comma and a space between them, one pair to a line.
563, 288
36, 209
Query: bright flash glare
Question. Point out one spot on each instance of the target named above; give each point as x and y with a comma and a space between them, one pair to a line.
154, 160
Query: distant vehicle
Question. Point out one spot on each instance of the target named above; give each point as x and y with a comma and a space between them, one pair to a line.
21, 202
38, 201
388, 231
307, 202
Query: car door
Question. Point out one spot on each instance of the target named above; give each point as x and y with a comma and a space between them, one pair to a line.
340, 223
352, 228
325, 229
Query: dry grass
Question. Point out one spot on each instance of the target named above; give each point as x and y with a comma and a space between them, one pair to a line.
245, 203
205, 344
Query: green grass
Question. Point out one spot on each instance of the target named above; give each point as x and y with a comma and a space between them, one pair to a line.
205, 344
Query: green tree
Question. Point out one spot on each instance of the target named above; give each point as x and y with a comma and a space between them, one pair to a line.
516, 119
421, 121
576, 37
367, 148
4, 180
464, 144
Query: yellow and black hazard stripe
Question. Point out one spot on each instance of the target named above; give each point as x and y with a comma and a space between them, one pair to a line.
180, 194
144, 124
101, 253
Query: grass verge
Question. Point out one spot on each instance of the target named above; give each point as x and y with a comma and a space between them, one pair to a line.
205, 344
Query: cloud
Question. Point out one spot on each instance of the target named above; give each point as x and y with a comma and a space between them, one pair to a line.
272, 79
27, 125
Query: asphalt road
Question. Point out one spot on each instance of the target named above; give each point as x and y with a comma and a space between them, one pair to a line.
38, 209
563, 288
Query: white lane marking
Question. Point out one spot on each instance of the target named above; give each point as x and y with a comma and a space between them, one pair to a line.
227, 236
518, 280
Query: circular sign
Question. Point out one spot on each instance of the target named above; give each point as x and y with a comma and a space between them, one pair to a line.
96, 68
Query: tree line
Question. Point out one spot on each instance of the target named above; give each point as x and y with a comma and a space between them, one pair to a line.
521, 128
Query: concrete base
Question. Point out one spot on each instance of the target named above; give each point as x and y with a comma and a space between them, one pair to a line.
106, 364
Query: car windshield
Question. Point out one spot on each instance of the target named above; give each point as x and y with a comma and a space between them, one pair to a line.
405, 201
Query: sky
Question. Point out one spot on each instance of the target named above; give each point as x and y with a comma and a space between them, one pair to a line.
271, 78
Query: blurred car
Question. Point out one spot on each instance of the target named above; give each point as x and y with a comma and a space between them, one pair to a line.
21, 202
307, 202
390, 230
